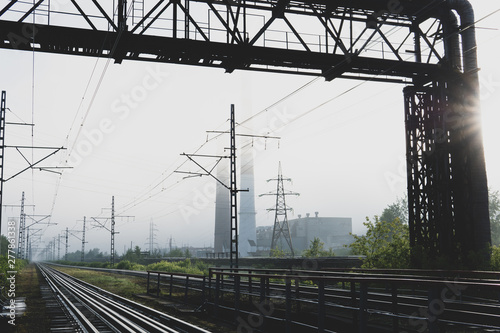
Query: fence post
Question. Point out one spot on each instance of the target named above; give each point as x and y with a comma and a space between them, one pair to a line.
237, 295
147, 287
250, 286
354, 305
171, 284
210, 283
158, 286
216, 293
395, 319
262, 289
433, 299
288, 315
203, 290
297, 294
321, 306
186, 289
221, 293
363, 294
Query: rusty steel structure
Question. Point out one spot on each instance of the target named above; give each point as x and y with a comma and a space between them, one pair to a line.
427, 45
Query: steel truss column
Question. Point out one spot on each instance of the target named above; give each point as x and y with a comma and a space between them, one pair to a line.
112, 230
66, 252
234, 194
22, 226
83, 242
443, 200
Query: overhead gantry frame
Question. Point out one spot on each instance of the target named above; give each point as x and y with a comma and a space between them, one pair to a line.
429, 45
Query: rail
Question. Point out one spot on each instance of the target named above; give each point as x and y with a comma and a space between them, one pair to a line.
268, 299
99, 308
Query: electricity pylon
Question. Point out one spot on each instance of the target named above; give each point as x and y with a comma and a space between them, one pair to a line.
233, 189
281, 230
112, 227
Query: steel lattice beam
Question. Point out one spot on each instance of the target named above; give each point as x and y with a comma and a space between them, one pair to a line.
353, 39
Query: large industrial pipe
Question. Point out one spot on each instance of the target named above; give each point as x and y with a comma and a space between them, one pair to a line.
466, 13
473, 141
452, 40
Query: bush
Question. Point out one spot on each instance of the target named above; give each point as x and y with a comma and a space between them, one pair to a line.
186, 266
5, 266
495, 258
385, 245
124, 264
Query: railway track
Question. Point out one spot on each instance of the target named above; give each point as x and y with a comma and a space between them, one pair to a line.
379, 301
91, 309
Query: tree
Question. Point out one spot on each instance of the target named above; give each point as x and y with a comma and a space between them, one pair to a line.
494, 206
4, 243
95, 253
277, 253
137, 251
176, 253
398, 209
130, 256
385, 245
316, 250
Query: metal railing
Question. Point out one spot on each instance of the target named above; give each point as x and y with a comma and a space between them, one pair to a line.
319, 300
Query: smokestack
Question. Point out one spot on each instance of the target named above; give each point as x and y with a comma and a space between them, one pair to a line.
222, 233
248, 233
316, 214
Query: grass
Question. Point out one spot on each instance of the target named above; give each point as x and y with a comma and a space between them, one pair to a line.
123, 286
35, 319
186, 266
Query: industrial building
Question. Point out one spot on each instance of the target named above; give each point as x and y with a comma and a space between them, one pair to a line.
334, 232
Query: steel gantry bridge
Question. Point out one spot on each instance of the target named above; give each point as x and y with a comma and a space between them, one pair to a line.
427, 45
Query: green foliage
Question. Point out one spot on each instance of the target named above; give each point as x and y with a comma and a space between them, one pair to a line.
385, 245
94, 254
131, 256
186, 266
4, 242
5, 266
494, 207
176, 253
399, 210
316, 250
124, 264
98, 264
495, 258
277, 253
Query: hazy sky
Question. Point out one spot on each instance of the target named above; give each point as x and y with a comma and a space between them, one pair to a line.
346, 158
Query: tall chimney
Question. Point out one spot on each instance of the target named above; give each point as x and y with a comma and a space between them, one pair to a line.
222, 232
248, 233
